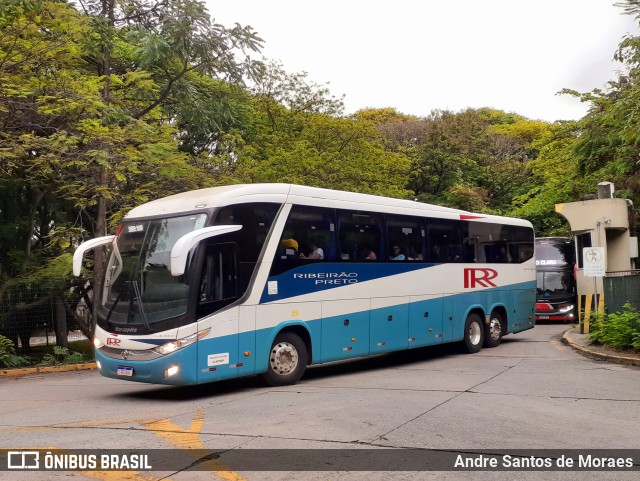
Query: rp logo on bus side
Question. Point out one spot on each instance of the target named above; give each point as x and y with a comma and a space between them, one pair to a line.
474, 277
112, 341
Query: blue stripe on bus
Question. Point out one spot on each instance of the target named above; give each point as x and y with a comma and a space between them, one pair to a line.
154, 371
320, 276
371, 332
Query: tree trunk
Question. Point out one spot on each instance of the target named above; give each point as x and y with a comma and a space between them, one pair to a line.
62, 332
108, 12
99, 252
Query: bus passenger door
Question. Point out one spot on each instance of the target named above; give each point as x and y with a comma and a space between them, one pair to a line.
218, 351
425, 321
345, 329
389, 324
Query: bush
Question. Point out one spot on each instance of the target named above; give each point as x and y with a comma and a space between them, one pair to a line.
619, 329
8, 356
62, 355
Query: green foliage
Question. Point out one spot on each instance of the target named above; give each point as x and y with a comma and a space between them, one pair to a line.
62, 355
130, 100
620, 330
297, 136
8, 357
607, 145
98, 115
554, 179
474, 159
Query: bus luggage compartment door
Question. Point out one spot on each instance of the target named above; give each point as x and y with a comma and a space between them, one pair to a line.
425, 321
345, 329
389, 324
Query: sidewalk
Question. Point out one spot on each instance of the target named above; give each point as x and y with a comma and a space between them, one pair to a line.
582, 343
25, 371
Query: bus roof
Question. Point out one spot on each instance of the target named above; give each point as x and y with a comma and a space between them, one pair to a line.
205, 199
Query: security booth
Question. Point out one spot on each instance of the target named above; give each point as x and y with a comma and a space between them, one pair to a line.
605, 251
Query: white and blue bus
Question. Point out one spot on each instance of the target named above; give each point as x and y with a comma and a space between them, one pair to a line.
270, 278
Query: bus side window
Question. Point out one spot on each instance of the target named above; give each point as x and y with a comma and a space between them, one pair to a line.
501, 244
256, 220
405, 238
360, 236
308, 236
444, 240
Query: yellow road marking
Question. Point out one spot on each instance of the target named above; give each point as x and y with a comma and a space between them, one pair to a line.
175, 435
190, 439
121, 476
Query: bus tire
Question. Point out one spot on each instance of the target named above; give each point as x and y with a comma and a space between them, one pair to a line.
473, 333
287, 360
494, 330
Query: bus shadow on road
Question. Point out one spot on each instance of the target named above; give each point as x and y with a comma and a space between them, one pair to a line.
317, 372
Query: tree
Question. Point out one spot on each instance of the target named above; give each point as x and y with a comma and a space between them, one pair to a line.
90, 109
149, 53
555, 179
298, 136
608, 140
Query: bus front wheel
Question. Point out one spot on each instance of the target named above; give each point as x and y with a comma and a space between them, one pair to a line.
493, 331
473, 333
287, 360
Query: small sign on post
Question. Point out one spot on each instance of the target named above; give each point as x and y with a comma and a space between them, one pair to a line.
593, 261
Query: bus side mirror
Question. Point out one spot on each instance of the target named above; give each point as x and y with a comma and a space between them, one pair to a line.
84, 247
183, 245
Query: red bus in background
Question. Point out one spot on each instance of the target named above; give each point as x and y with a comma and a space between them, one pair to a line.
556, 293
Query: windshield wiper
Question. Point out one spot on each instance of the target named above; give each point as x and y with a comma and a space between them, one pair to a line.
112, 308
138, 295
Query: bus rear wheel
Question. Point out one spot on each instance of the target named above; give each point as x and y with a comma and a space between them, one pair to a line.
287, 360
493, 331
473, 333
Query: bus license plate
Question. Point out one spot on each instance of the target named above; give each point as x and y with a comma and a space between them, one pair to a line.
543, 317
125, 371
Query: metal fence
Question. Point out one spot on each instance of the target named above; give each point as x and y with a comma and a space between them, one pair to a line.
621, 287
37, 315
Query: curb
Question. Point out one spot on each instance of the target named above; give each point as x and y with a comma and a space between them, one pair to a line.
629, 361
26, 371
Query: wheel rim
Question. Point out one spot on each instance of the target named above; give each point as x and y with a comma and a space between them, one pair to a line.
284, 358
495, 328
475, 333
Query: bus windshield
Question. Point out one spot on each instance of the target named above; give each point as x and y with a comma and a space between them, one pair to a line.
139, 288
555, 284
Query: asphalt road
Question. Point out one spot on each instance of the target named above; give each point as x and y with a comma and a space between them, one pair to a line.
531, 392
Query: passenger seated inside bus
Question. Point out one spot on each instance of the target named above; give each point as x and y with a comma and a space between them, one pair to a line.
396, 253
415, 254
315, 252
288, 248
368, 255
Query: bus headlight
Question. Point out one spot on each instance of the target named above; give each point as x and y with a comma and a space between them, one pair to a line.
171, 371
173, 346
97, 343
565, 309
